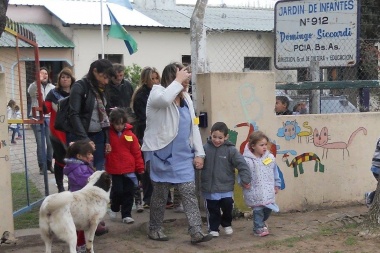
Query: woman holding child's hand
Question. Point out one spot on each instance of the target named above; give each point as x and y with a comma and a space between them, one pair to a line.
172, 143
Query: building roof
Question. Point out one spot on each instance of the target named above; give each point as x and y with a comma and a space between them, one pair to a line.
47, 36
218, 18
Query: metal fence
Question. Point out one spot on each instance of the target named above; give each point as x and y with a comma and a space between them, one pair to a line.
339, 89
19, 60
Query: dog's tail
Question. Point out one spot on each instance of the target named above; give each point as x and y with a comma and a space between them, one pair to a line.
55, 201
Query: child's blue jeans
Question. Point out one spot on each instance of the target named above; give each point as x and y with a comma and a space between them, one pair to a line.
260, 215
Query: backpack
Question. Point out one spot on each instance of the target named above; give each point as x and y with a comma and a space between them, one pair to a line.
62, 122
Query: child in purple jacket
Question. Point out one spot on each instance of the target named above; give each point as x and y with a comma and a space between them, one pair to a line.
78, 169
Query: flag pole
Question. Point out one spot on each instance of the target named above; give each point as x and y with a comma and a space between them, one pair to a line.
101, 27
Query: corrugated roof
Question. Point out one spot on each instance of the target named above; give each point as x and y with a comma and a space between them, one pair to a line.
47, 36
8, 40
220, 18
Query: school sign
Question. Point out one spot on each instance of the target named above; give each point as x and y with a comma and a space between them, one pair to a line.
316, 30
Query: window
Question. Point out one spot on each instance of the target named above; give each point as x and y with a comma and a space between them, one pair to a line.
256, 63
114, 58
186, 59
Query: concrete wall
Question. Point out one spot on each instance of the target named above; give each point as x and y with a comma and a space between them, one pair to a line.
6, 209
345, 147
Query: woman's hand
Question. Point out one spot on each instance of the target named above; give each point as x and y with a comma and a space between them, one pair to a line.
182, 75
246, 186
198, 162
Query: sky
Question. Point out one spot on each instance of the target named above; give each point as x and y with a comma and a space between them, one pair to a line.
244, 3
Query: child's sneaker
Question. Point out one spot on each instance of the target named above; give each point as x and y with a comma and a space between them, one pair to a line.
214, 233
101, 230
81, 249
13, 142
169, 205
261, 232
112, 214
19, 137
179, 209
228, 230
140, 208
128, 220
367, 199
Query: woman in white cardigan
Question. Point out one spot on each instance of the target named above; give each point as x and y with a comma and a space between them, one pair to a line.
173, 145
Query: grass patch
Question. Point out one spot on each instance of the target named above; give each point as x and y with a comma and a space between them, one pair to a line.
19, 194
19, 198
350, 241
326, 231
28, 219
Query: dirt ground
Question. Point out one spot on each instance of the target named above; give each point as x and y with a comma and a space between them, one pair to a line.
331, 230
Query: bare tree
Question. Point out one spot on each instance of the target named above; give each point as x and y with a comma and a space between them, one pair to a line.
3, 11
371, 225
198, 44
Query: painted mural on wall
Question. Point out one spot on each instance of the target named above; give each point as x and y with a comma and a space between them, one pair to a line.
321, 139
289, 130
305, 134
296, 162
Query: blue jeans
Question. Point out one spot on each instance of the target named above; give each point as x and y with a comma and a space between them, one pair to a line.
99, 139
260, 215
48, 156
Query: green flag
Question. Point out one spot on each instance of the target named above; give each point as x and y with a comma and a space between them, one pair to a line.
117, 31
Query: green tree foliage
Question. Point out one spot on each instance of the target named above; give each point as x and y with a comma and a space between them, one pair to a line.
370, 19
133, 74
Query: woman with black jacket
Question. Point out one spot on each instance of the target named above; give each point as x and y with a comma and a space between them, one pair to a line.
88, 117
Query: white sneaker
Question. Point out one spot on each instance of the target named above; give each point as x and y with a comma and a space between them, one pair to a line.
112, 214
214, 233
228, 230
140, 209
81, 249
128, 220
179, 209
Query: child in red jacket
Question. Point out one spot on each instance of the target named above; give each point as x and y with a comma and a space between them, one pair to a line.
124, 163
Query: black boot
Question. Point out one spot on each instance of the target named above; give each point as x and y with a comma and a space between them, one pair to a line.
49, 166
58, 173
41, 169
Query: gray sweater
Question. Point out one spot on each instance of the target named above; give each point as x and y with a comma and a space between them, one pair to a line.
218, 173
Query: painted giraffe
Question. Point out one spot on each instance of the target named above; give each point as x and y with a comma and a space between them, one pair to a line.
305, 134
297, 161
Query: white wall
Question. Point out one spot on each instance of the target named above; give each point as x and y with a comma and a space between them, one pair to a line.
155, 48
29, 14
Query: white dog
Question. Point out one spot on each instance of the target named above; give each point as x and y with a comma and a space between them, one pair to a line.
61, 214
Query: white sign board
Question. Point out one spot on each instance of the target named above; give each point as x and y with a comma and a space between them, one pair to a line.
316, 30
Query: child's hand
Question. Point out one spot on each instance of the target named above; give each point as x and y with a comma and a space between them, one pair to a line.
108, 148
246, 186
276, 189
92, 144
198, 162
